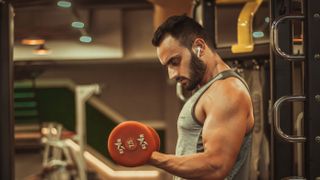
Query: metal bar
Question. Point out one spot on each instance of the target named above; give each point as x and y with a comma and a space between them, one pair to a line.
83, 93
208, 11
281, 153
312, 88
6, 92
179, 92
276, 119
274, 38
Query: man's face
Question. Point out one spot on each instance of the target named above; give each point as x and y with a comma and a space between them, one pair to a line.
183, 65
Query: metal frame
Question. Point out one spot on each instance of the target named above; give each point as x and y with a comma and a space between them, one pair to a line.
281, 164
179, 92
311, 80
6, 92
83, 93
274, 38
276, 118
208, 11
312, 88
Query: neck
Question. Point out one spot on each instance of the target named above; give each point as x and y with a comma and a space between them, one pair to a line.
215, 65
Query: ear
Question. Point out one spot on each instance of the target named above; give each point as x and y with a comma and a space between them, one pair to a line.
198, 46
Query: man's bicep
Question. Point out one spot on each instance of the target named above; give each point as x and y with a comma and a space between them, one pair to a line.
224, 129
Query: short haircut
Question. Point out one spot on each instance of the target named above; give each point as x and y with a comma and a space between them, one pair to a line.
182, 28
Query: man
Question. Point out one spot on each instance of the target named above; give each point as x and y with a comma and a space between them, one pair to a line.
214, 126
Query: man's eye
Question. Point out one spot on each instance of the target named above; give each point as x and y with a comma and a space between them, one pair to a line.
175, 62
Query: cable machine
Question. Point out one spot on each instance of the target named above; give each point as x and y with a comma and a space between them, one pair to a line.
291, 94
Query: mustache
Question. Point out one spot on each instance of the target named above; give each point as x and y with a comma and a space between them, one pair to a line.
179, 79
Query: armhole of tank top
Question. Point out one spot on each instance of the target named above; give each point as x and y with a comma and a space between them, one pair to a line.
230, 73
193, 111
196, 102
251, 131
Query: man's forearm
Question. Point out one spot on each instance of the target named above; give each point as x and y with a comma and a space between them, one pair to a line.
196, 166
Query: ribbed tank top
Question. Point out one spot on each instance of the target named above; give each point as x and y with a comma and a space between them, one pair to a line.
190, 131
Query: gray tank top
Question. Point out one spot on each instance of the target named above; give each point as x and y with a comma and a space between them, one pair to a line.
190, 132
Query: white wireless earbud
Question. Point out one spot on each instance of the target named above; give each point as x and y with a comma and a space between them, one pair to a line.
198, 50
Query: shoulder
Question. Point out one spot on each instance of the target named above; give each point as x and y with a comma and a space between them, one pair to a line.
226, 95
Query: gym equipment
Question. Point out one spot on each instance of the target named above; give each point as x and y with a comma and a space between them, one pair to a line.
156, 136
57, 152
275, 42
244, 28
131, 143
57, 156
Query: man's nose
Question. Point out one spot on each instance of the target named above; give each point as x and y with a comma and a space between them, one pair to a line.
172, 73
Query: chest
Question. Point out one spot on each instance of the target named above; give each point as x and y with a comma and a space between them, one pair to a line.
192, 115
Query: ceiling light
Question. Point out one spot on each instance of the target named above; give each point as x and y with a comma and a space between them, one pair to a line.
32, 41
41, 50
64, 4
86, 39
77, 24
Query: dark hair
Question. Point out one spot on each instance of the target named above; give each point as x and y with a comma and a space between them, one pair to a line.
182, 28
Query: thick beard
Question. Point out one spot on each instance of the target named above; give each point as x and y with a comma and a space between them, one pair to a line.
197, 70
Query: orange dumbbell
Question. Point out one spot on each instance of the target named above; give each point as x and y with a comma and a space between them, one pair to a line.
131, 143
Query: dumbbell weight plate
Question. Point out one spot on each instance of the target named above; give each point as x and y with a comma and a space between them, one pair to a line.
157, 138
131, 144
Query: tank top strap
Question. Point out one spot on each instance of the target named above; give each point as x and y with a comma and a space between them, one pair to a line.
232, 73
